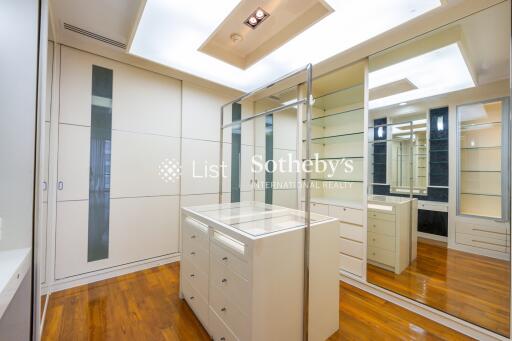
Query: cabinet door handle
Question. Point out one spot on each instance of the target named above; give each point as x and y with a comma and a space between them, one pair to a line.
192, 253
224, 280
192, 275
45, 185
223, 309
223, 339
224, 258
192, 297
60, 185
193, 236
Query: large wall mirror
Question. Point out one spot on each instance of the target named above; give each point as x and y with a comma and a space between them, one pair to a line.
438, 169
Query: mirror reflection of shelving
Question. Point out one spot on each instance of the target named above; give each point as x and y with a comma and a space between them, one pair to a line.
482, 159
337, 135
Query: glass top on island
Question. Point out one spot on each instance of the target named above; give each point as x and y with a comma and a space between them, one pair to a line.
255, 218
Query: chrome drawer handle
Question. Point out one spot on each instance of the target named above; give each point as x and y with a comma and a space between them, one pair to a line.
193, 236
223, 309
224, 258
224, 280
223, 339
192, 297
192, 253
192, 275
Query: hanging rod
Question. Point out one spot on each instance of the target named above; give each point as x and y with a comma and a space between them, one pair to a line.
281, 108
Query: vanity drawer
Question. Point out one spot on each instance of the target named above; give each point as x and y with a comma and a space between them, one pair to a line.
230, 285
381, 216
218, 329
351, 248
382, 227
194, 233
381, 241
351, 264
320, 208
494, 244
496, 232
381, 256
234, 319
196, 254
353, 232
348, 215
229, 260
195, 301
198, 279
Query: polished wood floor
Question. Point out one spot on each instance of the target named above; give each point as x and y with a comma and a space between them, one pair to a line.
469, 286
145, 306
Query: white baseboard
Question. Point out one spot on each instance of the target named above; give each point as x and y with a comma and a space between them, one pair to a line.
440, 317
99, 275
433, 237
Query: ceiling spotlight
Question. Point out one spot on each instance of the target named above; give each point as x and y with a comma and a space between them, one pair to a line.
259, 14
256, 18
253, 21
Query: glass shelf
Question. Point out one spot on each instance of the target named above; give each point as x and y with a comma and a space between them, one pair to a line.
471, 125
479, 171
335, 180
333, 119
333, 139
482, 194
477, 148
330, 100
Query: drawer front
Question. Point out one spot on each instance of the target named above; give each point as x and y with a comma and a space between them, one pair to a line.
381, 241
218, 329
193, 234
320, 208
231, 261
495, 231
351, 248
381, 216
351, 264
196, 302
382, 227
230, 285
381, 256
230, 314
433, 207
353, 232
198, 279
483, 242
196, 254
348, 215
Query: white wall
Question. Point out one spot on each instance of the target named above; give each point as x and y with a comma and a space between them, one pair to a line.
18, 70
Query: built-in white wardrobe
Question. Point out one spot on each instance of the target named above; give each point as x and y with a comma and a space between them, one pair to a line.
156, 122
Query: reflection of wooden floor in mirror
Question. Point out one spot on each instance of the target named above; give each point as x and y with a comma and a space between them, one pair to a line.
469, 286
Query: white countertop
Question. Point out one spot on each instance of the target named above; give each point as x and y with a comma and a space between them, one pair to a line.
254, 218
388, 199
336, 202
14, 264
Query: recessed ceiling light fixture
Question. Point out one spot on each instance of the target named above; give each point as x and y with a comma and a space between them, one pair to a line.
256, 18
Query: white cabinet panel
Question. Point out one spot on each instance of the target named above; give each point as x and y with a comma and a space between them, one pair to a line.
246, 173
46, 160
137, 163
43, 243
201, 112
49, 82
197, 157
199, 199
140, 228
146, 102
76, 85
285, 129
285, 198
73, 162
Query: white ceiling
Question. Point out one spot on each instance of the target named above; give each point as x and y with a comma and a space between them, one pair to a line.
170, 33
113, 19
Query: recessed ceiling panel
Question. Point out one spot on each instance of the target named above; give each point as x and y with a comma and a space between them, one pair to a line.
241, 45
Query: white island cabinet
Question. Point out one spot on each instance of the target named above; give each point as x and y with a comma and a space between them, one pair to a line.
242, 271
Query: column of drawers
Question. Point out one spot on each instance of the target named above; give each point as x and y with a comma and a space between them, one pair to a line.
351, 235
194, 267
382, 238
230, 296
